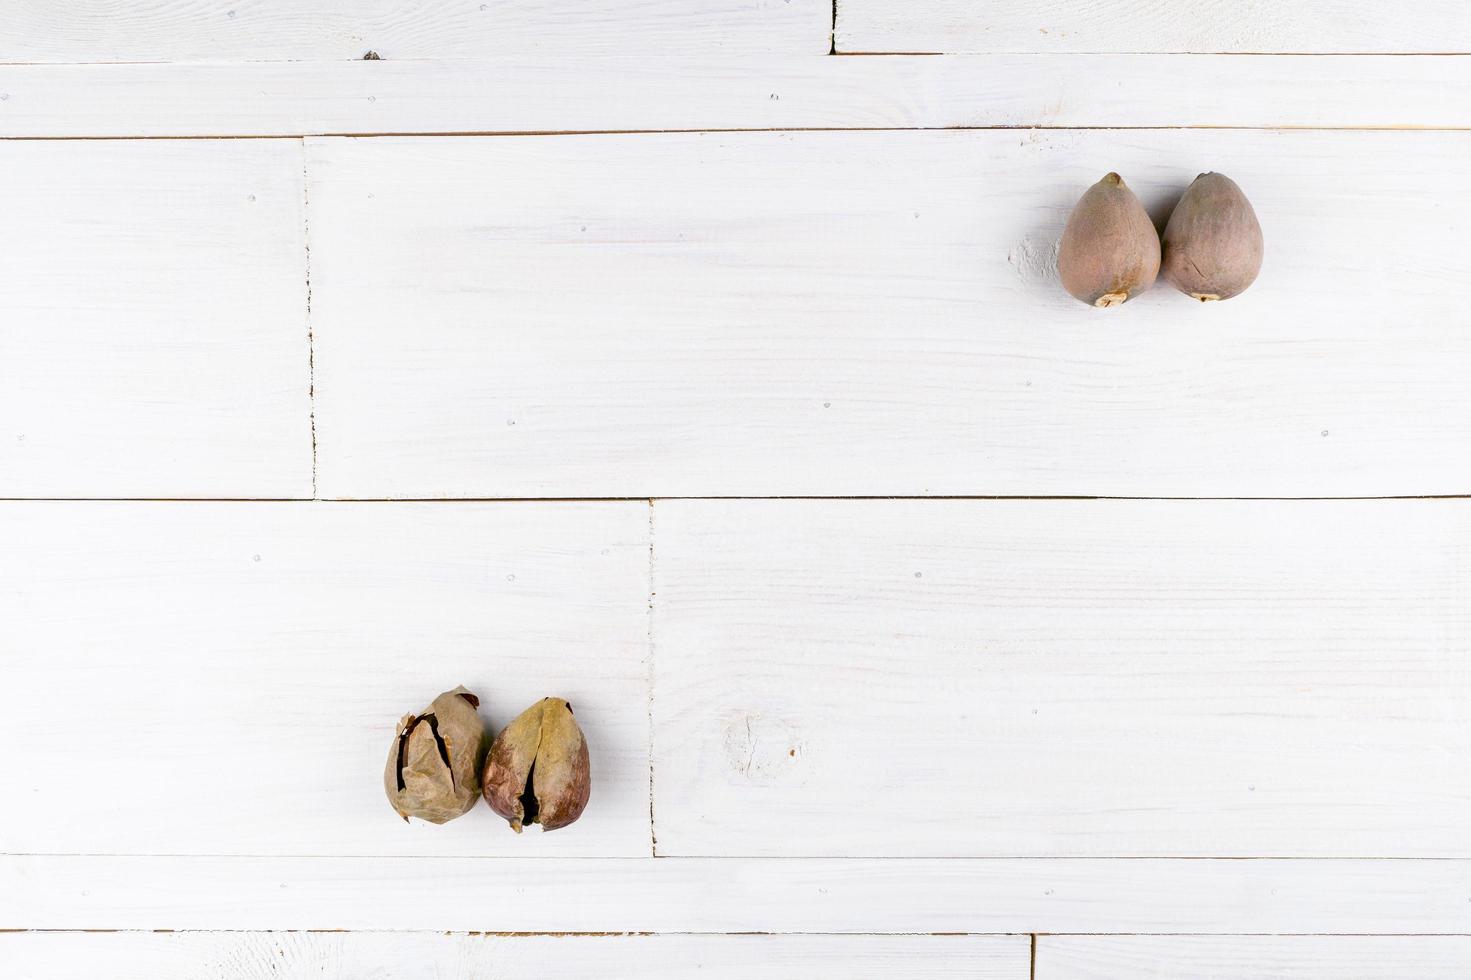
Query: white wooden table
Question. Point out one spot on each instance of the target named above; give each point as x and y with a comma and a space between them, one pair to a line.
652, 353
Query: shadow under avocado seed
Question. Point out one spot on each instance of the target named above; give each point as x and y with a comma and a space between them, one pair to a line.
1161, 209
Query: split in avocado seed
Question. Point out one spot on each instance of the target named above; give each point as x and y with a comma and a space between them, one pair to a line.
537, 771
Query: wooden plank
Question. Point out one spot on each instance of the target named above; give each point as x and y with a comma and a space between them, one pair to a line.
256, 956
154, 311
1062, 678
735, 895
544, 95
1252, 957
1307, 26
324, 30
233, 672
876, 314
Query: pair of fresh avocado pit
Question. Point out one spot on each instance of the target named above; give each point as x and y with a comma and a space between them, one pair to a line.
1110, 252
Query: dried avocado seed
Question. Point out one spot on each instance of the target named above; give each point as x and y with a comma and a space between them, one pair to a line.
433, 770
537, 771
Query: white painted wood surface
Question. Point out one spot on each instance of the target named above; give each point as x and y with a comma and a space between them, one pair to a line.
327, 30
1253, 957
1062, 678
240, 667
287, 956
876, 314
835, 721
153, 330
1207, 26
705, 93
719, 895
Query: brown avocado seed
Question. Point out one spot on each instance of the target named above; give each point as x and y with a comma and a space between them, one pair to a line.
1109, 251
537, 770
433, 770
1213, 241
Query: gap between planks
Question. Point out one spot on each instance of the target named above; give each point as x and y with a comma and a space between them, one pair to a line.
652, 500
311, 345
673, 859
1035, 936
649, 680
512, 133
892, 53
1080, 54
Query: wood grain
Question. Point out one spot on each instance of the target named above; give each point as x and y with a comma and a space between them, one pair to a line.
325, 30
1062, 678
225, 678
383, 956
154, 310
735, 895
526, 94
1200, 738
1252, 957
1271, 26
838, 314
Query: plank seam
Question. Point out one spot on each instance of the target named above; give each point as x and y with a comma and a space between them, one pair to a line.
645, 498
671, 859
885, 53
311, 343
22, 930
512, 133
653, 833
1095, 54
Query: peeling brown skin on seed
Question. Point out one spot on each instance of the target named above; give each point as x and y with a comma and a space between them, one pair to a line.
1109, 251
1213, 242
433, 770
405, 728
509, 763
563, 801
538, 769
